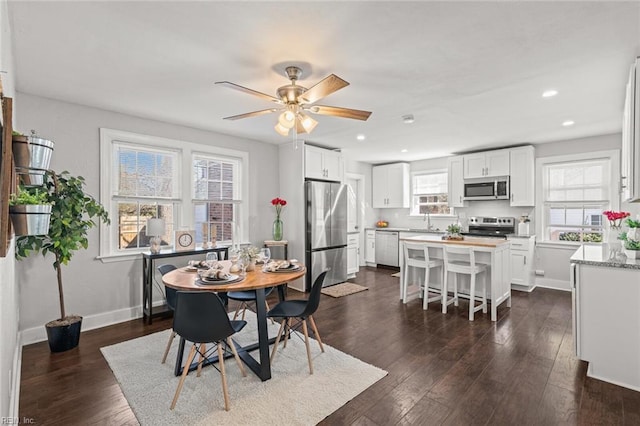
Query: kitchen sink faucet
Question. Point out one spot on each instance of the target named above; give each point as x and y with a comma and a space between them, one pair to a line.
427, 218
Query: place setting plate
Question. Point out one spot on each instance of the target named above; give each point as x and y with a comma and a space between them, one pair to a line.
233, 278
290, 268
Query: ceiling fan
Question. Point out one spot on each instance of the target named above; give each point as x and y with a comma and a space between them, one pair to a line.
295, 101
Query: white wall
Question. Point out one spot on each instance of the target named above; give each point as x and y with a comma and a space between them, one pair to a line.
9, 293
110, 292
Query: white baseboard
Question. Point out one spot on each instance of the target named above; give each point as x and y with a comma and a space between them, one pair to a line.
553, 283
89, 322
524, 288
14, 397
615, 382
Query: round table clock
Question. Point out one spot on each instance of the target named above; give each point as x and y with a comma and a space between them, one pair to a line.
185, 240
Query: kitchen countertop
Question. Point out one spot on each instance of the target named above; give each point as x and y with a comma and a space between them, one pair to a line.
602, 255
468, 241
390, 229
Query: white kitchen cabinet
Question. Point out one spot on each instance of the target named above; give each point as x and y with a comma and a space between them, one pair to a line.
323, 164
353, 253
522, 177
455, 184
630, 161
486, 164
522, 259
390, 185
606, 314
370, 249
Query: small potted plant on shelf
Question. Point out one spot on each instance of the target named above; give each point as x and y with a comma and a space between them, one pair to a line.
73, 213
631, 239
30, 211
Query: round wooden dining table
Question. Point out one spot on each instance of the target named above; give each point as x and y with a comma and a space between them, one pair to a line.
183, 279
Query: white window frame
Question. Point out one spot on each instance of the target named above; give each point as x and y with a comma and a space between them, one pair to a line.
412, 211
237, 188
184, 219
614, 180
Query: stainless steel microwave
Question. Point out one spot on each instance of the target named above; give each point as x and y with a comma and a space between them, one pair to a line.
487, 189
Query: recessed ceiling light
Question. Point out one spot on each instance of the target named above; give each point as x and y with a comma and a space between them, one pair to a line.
404, 150
568, 123
549, 93
408, 119
361, 137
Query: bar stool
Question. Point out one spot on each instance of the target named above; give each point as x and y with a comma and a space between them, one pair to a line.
469, 267
417, 255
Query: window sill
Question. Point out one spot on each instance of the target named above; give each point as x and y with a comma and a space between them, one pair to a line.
562, 244
120, 257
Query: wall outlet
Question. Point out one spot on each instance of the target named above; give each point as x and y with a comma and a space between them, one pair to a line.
540, 272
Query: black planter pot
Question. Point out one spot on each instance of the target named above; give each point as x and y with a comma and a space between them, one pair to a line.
63, 337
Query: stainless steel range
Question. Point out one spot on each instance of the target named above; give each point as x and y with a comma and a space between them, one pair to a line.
498, 227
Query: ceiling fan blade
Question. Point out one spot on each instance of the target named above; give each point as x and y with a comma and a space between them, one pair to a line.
323, 88
251, 114
340, 112
249, 91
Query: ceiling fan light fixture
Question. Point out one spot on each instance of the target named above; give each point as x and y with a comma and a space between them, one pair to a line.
307, 122
287, 120
281, 129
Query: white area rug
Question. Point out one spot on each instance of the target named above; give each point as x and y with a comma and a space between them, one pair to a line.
291, 397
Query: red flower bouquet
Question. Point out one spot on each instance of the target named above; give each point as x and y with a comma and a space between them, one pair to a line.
615, 218
279, 203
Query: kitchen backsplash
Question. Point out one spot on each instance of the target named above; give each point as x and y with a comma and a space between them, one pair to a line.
399, 218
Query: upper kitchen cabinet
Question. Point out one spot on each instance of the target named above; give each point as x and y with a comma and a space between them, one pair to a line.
522, 176
630, 166
390, 186
486, 164
323, 164
455, 182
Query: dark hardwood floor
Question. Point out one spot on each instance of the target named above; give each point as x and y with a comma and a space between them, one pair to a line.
443, 369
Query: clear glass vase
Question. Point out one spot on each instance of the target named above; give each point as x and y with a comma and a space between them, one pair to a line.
611, 234
277, 230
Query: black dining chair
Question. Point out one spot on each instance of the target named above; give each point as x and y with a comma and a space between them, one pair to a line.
245, 297
170, 296
301, 310
201, 317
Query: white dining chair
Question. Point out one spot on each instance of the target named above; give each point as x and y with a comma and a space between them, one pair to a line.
416, 255
462, 260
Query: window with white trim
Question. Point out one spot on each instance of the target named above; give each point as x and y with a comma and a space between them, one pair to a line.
215, 192
191, 186
430, 193
145, 186
575, 193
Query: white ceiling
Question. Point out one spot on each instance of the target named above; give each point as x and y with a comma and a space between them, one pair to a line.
472, 73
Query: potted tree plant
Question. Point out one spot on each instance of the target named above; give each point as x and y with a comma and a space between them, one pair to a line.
73, 213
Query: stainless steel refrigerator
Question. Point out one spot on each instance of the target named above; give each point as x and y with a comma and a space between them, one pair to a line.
326, 234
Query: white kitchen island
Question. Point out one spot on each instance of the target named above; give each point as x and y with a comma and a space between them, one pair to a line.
493, 252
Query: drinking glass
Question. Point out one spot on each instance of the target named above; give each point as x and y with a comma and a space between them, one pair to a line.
265, 255
243, 263
212, 259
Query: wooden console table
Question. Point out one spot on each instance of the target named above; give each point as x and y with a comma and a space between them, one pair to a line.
147, 277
